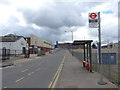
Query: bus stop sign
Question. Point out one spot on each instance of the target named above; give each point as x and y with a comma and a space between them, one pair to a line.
93, 20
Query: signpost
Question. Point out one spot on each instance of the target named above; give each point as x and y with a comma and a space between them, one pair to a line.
94, 22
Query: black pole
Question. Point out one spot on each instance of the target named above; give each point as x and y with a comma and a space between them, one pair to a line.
87, 51
84, 52
90, 57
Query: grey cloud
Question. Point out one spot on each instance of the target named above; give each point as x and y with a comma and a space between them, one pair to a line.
55, 19
57, 15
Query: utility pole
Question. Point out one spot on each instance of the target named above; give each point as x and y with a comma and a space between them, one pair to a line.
101, 82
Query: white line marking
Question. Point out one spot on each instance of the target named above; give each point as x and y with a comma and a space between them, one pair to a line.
19, 79
30, 73
24, 70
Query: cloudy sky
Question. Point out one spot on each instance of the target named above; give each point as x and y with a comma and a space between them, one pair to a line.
49, 19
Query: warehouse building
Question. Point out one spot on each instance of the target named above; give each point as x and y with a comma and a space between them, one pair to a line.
36, 44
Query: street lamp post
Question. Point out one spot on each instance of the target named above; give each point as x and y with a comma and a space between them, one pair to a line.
72, 39
71, 34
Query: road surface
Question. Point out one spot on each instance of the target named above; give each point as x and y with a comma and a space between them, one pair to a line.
37, 73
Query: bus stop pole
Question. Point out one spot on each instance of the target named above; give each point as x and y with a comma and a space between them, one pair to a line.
87, 52
101, 82
84, 53
90, 57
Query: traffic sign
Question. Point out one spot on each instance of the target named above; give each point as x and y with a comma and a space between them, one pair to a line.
93, 25
93, 16
93, 20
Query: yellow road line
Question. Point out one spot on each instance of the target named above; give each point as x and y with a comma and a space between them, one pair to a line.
57, 74
30, 73
56, 78
19, 79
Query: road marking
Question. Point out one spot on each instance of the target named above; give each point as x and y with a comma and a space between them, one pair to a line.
57, 77
53, 78
19, 79
24, 70
30, 73
57, 74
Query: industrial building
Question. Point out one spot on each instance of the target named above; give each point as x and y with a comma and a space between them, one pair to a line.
36, 44
22, 45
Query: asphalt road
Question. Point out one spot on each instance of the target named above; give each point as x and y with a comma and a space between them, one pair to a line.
37, 73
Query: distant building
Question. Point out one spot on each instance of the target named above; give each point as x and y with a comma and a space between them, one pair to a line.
35, 43
16, 44
69, 45
110, 46
61, 45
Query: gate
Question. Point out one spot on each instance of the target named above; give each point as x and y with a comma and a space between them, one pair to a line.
5, 53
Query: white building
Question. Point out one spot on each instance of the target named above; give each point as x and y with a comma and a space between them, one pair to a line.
16, 44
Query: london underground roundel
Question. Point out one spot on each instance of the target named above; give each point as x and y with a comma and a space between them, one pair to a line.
93, 16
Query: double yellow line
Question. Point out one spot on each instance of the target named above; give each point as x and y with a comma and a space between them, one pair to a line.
57, 74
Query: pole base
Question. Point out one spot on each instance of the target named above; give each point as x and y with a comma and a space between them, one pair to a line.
102, 82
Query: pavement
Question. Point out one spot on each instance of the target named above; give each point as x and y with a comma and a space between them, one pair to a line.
73, 75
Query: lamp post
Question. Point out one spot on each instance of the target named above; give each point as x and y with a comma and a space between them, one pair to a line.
72, 39
71, 34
